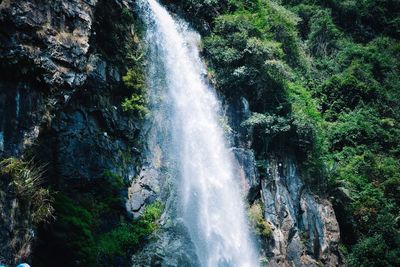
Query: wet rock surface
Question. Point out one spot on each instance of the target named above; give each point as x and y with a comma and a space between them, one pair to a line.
22, 108
247, 172
170, 245
90, 136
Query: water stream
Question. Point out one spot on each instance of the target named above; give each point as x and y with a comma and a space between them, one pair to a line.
186, 113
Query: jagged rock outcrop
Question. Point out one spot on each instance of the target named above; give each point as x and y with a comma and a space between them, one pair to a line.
304, 227
170, 246
53, 35
44, 50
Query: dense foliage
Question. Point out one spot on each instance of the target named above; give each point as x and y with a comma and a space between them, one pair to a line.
321, 77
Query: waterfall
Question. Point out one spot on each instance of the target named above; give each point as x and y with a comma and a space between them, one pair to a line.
17, 104
186, 115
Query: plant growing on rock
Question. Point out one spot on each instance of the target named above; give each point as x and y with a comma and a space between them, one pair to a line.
260, 225
267, 126
25, 181
134, 80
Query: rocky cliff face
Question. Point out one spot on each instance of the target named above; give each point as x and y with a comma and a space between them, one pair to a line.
47, 53
304, 229
59, 101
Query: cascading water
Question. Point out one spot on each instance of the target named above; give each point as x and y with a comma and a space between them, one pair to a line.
185, 112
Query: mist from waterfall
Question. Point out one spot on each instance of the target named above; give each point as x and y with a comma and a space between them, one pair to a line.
186, 113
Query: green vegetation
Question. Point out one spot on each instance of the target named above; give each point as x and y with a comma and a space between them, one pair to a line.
321, 77
246, 63
25, 181
118, 38
127, 237
134, 81
256, 217
91, 227
357, 97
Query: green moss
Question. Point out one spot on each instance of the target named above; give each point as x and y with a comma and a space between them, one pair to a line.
115, 180
126, 237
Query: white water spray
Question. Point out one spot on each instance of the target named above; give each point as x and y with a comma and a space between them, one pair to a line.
185, 111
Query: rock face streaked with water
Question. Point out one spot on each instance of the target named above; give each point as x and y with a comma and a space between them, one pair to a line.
186, 113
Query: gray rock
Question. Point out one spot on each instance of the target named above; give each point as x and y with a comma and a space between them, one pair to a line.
97, 67
55, 36
114, 74
22, 110
247, 172
144, 190
304, 227
171, 246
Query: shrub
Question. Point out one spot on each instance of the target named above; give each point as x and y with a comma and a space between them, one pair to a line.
362, 126
349, 89
266, 127
247, 59
306, 118
324, 35
83, 215
256, 217
374, 251
74, 231
134, 80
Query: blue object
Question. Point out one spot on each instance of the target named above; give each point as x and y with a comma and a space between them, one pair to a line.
23, 265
